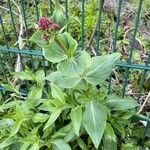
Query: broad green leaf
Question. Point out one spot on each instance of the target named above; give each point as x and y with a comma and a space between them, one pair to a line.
59, 16
57, 93
83, 85
62, 81
69, 43
76, 118
53, 117
110, 132
60, 145
7, 143
61, 48
36, 38
54, 52
40, 117
76, 65
118, 103
94, 121
101, 68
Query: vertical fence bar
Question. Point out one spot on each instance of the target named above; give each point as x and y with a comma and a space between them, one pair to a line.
14, 29
143, 79
3, 68
4, 36
26, 29
116, 26
132, 44
99, 25
115, 36
36, 10
51, 7
82, 26
66, 6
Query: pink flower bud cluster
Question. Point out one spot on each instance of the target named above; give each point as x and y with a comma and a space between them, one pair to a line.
44, 37
45, 23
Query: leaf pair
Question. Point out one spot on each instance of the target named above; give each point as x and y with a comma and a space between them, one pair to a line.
94, 120
92, 70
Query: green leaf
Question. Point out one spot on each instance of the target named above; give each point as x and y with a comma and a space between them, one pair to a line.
108, 143
40, 117
36, 38
53, 117
62, 81
82, 144
59, 16
50, 105
24, 75
39, 76
110, 132
119, 126
54, 52
94, 121
6, 122
8, 105
62, 47
35, 93
69, 43
15, 128
34, 147
70, 136
76, 65
60, 145
25, 146
57, 93
101, 68
61, 133
118, 103
7, 143
76, 118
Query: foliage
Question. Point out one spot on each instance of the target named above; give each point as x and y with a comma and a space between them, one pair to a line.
72, 110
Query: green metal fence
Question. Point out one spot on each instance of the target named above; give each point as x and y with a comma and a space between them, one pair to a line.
6, 50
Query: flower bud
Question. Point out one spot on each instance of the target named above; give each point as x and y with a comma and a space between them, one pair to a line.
44, 37
44, 23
